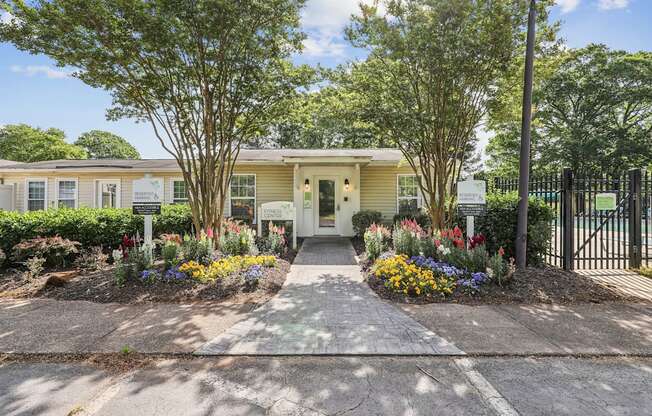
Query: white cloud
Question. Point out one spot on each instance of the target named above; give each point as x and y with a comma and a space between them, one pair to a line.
324, 21
568, 6
613, 4
32, 70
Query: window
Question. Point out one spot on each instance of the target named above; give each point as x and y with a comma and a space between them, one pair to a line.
243, 198
36, 194
179, 191
108, 193
408, 193
67, 193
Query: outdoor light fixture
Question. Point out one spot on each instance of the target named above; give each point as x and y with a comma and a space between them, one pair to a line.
306, 184
346, 184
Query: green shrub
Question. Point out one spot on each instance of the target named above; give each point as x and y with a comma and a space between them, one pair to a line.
170, 253
363, 219
499, 226
34, 266
90, 226
407, 238
91, 259
428, 247
130, 265
375, 240
238, 239
275, 241
55, 250
197, 249
421, 218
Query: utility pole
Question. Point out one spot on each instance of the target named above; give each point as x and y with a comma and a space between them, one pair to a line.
524, 161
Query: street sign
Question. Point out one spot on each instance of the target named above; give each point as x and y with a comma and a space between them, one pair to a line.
473, 210
146, 209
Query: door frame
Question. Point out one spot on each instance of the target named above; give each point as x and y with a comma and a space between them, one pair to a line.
98, 191
327, 230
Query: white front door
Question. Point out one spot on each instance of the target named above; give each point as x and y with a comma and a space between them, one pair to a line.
327, 203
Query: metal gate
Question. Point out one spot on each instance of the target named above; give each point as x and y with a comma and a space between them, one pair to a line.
584, 237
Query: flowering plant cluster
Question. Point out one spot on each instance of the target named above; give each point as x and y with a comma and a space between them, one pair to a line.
276, 239
437, 267
471, 284
376, 238
224, 267
253, 275
407, 237
402, 276
450, 238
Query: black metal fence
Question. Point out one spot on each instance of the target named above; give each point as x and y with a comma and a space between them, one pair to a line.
585, 237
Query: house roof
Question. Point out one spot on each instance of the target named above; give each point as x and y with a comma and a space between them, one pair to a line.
380, 156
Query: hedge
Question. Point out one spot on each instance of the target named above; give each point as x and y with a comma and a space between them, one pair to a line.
363, 219
89, 226
499, 225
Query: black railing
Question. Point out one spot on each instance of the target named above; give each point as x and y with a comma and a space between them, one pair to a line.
584, 237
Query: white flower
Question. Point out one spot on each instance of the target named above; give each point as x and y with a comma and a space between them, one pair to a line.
444, 250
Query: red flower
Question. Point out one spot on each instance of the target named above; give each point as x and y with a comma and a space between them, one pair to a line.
501, 252
457, 232
209, 232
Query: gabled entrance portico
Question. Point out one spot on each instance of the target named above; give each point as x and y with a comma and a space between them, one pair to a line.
326, 194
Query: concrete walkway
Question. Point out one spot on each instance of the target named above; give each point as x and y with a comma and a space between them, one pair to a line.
325, 308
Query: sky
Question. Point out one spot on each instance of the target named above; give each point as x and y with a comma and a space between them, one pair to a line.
35, 92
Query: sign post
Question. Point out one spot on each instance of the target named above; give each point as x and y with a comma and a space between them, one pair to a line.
278, 211
146, 200
471, 202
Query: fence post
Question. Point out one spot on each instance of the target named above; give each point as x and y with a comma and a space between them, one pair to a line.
635, 218
567, 221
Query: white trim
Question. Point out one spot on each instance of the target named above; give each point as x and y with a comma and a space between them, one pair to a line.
118, 191
56, 190
398, 198
26, 196
171, 188
255, 197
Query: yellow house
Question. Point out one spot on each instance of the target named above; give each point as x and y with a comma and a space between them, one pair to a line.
326, 186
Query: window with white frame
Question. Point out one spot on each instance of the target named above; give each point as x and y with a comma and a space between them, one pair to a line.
67, 193
36, 194
243, 197
108, 193
407, 193
179, 191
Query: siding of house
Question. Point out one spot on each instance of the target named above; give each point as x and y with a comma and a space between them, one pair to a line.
378, 188
273, 183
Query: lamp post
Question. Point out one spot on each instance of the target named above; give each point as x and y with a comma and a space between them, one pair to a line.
524, 160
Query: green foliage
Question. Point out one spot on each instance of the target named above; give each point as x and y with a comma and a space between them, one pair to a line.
428, 247
3, 257
131, 265
104, 145
91, 259
499, 225
205, 74
363, 219
473, 260
170, 253
593, 112
55, 250
22, 143
90, 226
197, 249
34, 266
422, 218
275, 241
645, 271
405, 242
239, 241
376, 240
499, 270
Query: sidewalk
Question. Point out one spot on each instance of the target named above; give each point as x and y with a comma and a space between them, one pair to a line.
48, 326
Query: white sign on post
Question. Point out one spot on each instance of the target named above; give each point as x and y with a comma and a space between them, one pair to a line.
278, 211
147, 197
471, 202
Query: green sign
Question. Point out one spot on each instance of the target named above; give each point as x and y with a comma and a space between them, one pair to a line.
605, 202
307, 199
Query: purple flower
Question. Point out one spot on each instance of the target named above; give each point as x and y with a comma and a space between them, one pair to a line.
174, 275
253, 274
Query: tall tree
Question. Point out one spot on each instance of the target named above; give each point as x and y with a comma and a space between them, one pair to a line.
207, 75
432, 69
593, 113
22, 143
105, 145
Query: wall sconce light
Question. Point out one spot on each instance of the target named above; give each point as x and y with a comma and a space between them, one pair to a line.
346, 184
306, 184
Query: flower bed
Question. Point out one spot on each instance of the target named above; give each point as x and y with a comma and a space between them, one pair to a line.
417, 266
175, 268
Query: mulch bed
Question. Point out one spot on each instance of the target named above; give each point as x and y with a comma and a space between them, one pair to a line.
534, 285
99, 286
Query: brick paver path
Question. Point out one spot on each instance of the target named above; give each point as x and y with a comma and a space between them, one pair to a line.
326, 308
